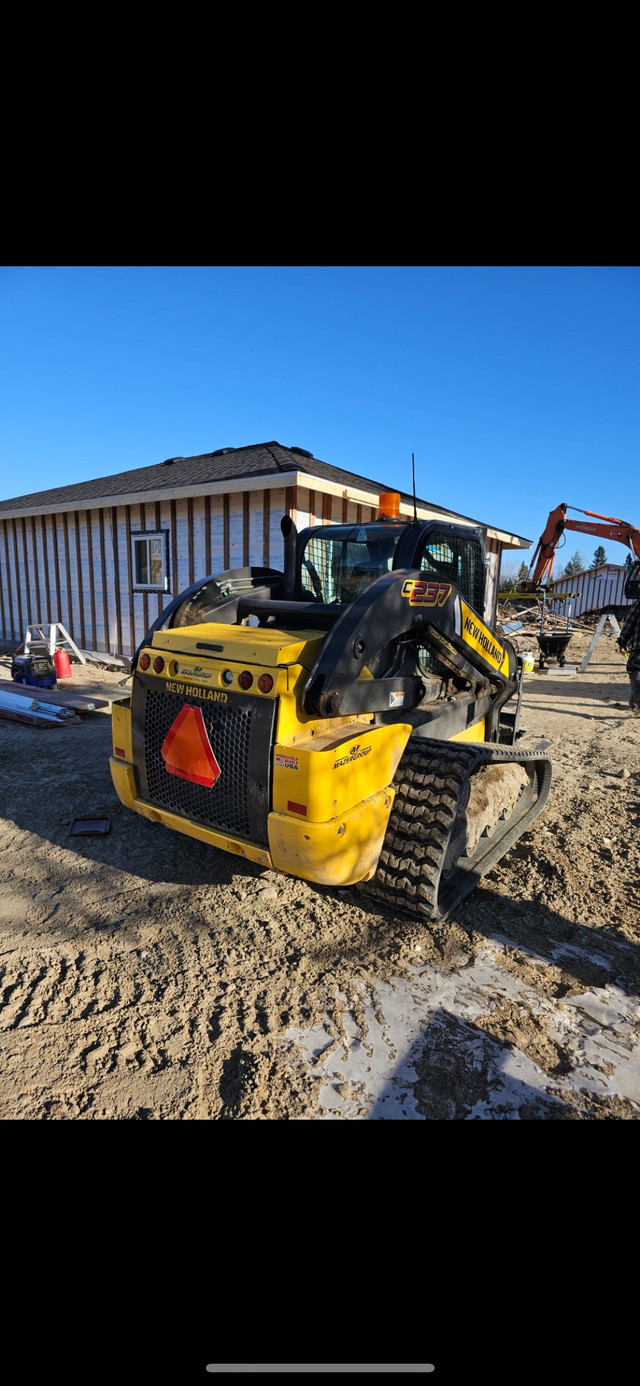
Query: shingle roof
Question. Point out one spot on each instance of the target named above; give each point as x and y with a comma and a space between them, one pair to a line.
224, 464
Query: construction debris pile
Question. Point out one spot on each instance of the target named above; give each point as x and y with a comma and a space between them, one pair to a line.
525, 620
531, 618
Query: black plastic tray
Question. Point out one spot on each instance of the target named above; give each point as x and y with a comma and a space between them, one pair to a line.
89, 827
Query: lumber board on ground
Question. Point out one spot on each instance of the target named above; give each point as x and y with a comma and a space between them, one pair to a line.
59, 697
18, 710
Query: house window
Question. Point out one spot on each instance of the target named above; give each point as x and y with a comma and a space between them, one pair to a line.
150, 553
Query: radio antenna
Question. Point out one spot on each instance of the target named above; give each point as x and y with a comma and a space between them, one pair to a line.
413, 473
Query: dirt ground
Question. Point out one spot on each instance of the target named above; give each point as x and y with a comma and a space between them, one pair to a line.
145, 975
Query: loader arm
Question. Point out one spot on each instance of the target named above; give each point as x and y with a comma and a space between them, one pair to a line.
435, 617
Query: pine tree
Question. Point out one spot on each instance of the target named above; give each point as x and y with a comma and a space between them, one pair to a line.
599, 557
507, 579
575, 565
510, 579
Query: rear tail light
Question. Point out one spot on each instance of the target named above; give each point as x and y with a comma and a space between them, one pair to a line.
144, 661
245, 679
265, 683
158, 664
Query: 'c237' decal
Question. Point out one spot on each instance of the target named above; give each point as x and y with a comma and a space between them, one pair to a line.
423, 593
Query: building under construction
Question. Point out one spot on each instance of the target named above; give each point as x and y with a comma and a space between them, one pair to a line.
597, 590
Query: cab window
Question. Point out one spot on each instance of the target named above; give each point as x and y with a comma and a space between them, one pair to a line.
337, 566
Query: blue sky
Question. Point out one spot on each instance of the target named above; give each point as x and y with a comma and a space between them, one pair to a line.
515, 387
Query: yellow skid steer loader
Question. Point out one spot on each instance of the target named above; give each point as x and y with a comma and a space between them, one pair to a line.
352, 719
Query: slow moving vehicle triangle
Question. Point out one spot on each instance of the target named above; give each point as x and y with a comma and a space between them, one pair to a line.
186, 749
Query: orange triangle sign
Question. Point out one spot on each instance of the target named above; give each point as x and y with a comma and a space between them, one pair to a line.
186, 749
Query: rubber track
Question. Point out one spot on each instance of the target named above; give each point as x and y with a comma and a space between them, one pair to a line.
431, 785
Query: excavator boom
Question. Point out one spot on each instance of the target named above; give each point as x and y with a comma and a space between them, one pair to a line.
541, 567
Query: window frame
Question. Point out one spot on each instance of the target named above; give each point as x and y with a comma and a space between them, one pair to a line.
136, 536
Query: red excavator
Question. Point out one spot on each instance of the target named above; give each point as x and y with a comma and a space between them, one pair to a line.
541, 565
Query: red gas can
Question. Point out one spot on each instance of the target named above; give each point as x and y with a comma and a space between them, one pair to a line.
63, 664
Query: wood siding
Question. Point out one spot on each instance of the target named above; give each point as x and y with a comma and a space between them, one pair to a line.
597, 589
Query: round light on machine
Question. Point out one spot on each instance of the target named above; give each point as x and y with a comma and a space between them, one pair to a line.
226, 676
245, 679
144, 661
265, 683
174, 668
158, 664
389, 505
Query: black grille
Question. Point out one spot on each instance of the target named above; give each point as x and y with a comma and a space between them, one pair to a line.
226, 804
458, 559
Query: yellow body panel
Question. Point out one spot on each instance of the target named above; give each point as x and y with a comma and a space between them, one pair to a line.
246, 644
340, 852
327, 774
121, 728
124, 782
295, 725
473, 733
209, 687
